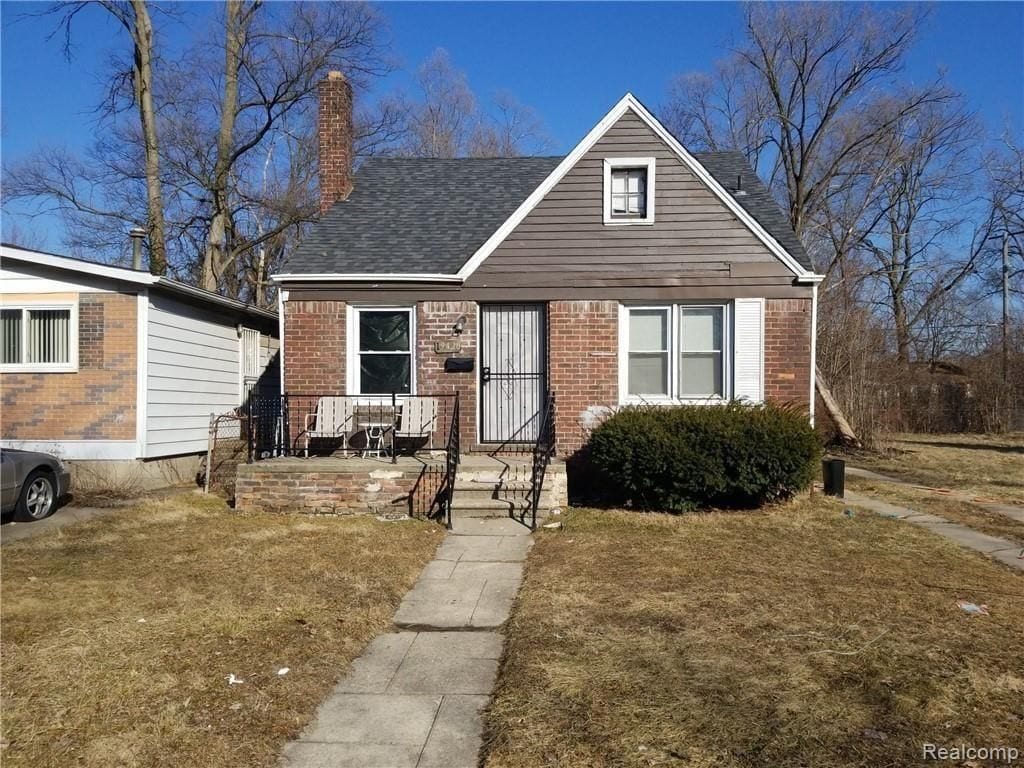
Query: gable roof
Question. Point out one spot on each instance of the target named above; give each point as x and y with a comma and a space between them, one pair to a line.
342, 246
418, 215
728, 168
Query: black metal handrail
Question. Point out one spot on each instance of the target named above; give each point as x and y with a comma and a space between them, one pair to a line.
451, 463
543, 450
301, 423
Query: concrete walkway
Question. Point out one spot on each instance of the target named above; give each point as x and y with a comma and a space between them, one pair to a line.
414, 697
999, 549
1011, 511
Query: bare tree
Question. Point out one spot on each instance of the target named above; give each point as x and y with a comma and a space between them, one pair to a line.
236, 122
139, 80
806, 96
445, 118
924, 203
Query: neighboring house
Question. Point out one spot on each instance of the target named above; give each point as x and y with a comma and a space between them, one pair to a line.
628, 271
115, 365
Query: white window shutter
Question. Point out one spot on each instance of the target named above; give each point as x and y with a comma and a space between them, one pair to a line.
748, 365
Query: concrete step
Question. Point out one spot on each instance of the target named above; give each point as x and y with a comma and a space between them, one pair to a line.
511, 485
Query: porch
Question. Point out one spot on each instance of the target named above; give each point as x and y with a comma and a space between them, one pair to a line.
480, 486
391, 456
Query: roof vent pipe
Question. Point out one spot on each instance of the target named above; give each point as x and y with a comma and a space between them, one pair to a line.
137, 234
739, 187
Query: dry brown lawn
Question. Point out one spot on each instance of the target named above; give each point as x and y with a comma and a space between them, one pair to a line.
119, 634
990, 466
935, 503
791, 637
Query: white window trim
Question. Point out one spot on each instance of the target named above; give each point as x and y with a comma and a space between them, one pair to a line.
647, 163
69, 367
673, 398
352, 378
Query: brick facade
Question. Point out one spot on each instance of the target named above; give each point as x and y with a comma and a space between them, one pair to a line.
435, 321
95, 403
314, 346
583, 364
787, 351
582, 357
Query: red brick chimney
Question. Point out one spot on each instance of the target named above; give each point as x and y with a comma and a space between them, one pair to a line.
334, 127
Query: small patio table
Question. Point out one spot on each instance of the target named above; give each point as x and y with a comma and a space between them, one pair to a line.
375, 433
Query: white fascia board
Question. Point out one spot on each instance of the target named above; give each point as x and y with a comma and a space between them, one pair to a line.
76, 265
371, 277
626, 103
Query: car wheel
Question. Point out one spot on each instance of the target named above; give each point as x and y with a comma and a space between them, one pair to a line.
38, 497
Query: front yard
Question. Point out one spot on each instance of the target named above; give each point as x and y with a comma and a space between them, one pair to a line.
991, 466
793, 636
119, 635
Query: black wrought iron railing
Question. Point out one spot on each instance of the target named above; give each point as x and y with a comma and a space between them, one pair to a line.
451, 463
543, 450
384, 426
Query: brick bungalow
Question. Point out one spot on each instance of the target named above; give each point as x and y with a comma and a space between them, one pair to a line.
628, 271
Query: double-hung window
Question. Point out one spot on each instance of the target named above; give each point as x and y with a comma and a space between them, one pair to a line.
381, 354
39, 338
675, 352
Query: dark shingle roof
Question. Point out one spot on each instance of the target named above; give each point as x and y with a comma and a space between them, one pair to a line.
418, 214
426, 215
726, 167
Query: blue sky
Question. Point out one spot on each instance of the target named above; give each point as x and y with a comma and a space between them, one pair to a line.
570, 61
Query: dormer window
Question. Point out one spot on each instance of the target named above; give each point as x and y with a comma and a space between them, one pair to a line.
629, 190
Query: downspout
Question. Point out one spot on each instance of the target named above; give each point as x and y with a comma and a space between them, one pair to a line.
280, 334
814, 347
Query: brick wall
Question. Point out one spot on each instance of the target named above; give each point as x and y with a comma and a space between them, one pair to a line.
434, 323
583, 366
787, 351
314, 346
320, 487
95, 403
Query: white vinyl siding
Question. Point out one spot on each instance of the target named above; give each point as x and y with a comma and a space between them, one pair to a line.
749, 344
193, 371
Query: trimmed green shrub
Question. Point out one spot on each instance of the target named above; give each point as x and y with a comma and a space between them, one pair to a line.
687, 457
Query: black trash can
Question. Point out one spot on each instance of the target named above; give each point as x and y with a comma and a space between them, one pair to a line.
833, 473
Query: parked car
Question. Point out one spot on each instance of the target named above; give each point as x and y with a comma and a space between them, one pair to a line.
31, 484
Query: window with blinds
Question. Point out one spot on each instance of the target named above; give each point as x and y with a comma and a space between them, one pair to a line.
37, 338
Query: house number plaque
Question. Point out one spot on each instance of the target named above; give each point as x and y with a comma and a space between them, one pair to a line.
447, 347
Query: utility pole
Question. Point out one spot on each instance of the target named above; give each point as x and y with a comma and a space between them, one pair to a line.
1006, 307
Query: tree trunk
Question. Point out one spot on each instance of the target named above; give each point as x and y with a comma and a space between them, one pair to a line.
142, 40
219, 250
844, 431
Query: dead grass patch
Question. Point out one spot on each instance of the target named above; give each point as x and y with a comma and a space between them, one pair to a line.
120, 633
790, 637
990, 466
922, 500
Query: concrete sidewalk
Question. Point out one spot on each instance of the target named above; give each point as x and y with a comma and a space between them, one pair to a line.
1011, 511
413, 698
999, 549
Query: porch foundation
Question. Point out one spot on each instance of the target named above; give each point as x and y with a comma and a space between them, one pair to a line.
339, 486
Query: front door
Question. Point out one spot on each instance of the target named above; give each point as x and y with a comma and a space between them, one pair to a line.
513, 371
